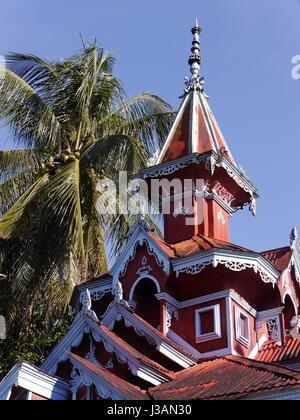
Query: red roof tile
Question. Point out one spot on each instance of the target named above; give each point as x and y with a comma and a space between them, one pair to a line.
280, 257
227, 378
125, 388
273, 353
136, 354
194, 245
160, 336
202, 243
163, 245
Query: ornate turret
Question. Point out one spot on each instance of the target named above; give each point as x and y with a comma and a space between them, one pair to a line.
196, 150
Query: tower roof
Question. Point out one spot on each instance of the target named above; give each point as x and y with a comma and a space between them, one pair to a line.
195, 129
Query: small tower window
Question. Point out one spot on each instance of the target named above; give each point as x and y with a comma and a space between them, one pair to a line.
208, 324
242, 327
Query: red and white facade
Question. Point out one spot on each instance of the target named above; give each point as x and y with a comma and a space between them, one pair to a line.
179, 317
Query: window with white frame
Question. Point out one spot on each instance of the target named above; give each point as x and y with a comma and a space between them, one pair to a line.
242, 327
208, 324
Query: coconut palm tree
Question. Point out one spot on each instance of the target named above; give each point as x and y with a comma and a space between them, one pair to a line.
72, 125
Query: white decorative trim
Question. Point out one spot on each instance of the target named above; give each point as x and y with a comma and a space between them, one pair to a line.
208, 298
244, 340
263, 339
118, 313
171, 311
221, 218
214, 335
272, 319
84, 376
88, 326
143, 277
194, 123
118, 292
98, 289
34, 380
263, 315
230, 323
238, 176
295, 262
184, 344
135, 365
72, 339
87, 307
144, 268
223, 194
138, 239
99, 294
233, 260
211, 159
274, 328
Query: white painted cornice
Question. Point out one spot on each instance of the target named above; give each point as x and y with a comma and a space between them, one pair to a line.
233, 260
34, 380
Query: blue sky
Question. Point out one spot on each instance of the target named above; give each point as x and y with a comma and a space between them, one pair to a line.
247, 48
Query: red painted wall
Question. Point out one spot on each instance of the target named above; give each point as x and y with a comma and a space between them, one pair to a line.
185, 327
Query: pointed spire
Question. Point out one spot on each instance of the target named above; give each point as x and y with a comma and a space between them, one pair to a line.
195, 81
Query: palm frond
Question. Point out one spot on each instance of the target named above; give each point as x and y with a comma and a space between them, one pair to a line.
23, 110
13, 215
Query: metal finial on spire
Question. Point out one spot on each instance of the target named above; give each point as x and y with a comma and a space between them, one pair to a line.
195, 82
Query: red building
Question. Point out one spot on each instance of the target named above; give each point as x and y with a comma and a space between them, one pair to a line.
190, 316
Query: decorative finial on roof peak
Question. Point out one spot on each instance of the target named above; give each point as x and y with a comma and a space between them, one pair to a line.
195, 82
294, 238
87, 311
86, 302
118, 292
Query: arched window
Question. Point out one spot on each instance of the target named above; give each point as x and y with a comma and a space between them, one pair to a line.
143, 294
